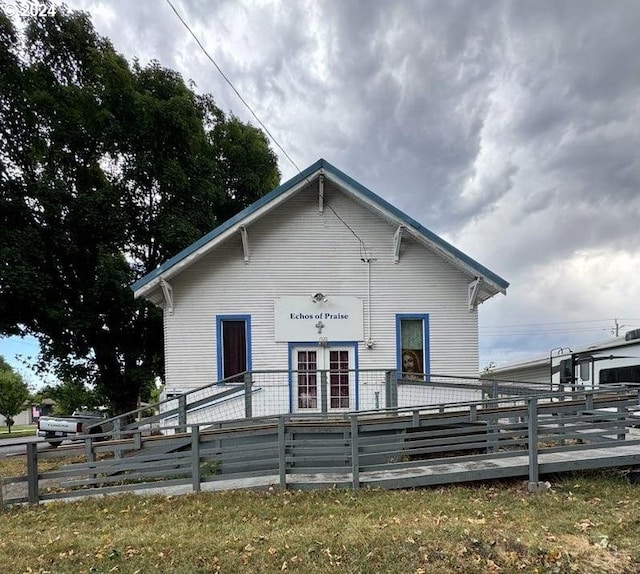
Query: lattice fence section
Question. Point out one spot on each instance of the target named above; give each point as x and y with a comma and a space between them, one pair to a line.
443, 389
270, 392
374, 389
273, 393
225, 401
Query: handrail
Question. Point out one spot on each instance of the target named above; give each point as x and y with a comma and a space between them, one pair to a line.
519, 391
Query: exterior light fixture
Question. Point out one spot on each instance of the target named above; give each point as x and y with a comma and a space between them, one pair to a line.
319, 298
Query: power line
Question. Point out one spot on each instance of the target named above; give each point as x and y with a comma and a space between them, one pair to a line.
562, 323
542, 333
551, 329
363, 247
206, 53
275, 141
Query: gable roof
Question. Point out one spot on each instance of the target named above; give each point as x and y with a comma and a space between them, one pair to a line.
491, 283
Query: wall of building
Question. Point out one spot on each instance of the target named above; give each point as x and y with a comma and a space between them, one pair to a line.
531, 373
297, 251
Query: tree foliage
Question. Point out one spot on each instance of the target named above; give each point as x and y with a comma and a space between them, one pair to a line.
14, 392
70, 396
106, 170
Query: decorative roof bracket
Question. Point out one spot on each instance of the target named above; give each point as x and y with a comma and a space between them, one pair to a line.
245, 243
167, 292
397, 240
474, 291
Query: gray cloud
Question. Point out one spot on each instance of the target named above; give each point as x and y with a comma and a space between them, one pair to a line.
510, 128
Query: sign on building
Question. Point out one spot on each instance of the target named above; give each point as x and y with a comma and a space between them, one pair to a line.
315, 317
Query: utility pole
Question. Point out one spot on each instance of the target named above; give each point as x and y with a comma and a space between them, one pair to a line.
617, 328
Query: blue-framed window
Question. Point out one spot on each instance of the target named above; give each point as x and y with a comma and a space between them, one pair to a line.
412, 346
233, 342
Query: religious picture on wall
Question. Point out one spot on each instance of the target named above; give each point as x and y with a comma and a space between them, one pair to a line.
412, 337
411, 364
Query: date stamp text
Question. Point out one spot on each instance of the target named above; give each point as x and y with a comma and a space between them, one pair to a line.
27, 8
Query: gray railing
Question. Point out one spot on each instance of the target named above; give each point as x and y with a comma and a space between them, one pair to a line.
392, 448
271, 393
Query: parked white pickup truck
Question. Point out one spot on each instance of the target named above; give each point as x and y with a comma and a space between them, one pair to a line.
57, 429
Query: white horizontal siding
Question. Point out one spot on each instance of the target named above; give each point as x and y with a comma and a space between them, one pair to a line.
531, 374
295, 250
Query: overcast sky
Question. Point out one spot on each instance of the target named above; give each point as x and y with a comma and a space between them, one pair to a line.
511, 129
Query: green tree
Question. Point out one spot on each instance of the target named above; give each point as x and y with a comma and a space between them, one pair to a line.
14, 392
70, 396
106, 170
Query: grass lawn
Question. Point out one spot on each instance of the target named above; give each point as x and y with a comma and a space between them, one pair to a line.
17, 431
586, 523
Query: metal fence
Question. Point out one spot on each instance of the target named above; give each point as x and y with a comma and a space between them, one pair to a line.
393, 447
273, 393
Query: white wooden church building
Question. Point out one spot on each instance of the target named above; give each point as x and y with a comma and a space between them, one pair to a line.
319, 274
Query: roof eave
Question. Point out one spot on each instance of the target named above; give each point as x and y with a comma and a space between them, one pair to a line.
450, 253
147, 284
492, 283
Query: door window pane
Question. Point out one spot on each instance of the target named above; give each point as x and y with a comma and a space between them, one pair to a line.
339, 379
584, 370
307, 379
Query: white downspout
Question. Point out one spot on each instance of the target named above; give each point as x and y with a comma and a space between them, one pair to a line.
369, 341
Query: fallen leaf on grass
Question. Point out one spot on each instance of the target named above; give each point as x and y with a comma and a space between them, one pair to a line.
585, 524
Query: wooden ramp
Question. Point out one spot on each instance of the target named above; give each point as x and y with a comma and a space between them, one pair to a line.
438, 473
527, 438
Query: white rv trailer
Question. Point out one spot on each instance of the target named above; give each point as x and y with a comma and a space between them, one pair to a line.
616, 361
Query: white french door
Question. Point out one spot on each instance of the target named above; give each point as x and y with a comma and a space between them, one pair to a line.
313, 366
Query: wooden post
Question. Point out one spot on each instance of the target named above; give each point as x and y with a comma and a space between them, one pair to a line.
248, 407
90, 455
533, 444
32, 473
195, 458
323, 392
355, 458
622, 423
391, 390
137, 440
495, 391
182, 413
589, 401
117, 428
117, 434
282, 453
563, 397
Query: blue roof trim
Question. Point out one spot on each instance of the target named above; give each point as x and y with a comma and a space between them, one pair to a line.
283, 188
418, 227
226, 225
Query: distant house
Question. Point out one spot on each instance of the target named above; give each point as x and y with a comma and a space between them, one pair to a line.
23, 418
29, 415
532, 371
319, 274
